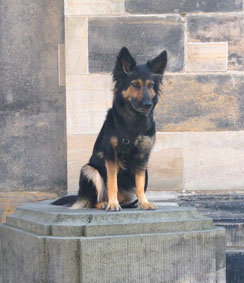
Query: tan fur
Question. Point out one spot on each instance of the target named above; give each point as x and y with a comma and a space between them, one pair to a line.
114, 141
134, 92
140, 184
150, 90
112, 171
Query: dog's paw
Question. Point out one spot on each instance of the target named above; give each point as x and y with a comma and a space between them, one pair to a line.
148, 205
101, 205
113, 207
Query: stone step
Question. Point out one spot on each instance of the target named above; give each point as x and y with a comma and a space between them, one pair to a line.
49, 220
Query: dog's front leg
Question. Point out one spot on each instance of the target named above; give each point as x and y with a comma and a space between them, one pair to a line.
140, 184
112, 172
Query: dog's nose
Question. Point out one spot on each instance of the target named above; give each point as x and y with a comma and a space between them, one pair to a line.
147, 104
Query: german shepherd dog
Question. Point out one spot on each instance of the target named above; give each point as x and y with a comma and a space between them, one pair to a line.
116, 175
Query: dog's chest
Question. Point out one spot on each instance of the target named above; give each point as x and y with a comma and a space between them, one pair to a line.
135, 152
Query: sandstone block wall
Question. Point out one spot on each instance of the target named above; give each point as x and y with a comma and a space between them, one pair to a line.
200, 119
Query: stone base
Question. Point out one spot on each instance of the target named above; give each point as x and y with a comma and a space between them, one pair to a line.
44, 243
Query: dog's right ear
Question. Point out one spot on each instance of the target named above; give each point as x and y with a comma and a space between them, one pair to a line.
124, 65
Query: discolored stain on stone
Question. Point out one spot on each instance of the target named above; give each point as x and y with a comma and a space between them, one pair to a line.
176, 6
220, 28
9, 200
201, 103
145, 37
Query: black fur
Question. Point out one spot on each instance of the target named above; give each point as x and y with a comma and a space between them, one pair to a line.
128, 132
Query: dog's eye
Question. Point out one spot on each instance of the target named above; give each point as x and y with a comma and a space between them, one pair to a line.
150, 85
136, 85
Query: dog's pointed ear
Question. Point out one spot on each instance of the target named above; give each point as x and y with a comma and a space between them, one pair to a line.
158, 64
125, 61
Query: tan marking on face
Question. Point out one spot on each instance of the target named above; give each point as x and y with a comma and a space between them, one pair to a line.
150, 89
134, 92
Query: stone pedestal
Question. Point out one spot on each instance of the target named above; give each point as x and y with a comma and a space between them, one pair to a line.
45, 243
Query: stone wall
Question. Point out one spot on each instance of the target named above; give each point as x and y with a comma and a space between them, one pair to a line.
200, 118
32, 103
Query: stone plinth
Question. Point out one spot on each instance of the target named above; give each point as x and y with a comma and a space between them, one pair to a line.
44, 243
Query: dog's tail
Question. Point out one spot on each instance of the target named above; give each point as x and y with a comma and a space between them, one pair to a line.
66, 200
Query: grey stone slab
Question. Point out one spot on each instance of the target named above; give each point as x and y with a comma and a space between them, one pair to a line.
181, 6
174, 257
145, 37
49, 220
23, 256
224, 28
177, 245
62, 260
32, 108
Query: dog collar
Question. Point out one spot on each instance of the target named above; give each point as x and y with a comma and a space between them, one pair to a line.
125, 141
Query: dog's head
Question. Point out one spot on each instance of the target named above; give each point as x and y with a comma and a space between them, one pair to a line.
137, 86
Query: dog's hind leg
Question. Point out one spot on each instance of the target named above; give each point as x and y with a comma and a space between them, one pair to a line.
92, 191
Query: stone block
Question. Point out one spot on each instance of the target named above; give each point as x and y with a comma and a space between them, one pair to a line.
93, 7
76, 45
145, 37
32, 104
61, 64
220, 28
201, 103
78, 154
213, 161
9, 200
176, 6
88, 99
165, 168
176, 245
206, 57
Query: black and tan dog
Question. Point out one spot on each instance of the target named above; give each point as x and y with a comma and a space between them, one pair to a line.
116, 174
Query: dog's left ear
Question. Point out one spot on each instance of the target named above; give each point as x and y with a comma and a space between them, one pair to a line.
158, 64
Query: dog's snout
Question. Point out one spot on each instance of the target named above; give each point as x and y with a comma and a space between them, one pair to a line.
147, 104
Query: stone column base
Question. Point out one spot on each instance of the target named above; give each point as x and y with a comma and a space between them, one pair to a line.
45, 243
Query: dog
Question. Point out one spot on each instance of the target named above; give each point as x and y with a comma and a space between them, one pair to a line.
116, 175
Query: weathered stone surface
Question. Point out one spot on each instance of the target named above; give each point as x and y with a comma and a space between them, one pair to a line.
201, 103
145, 37
206, 57
78, 154
176, 245
9, 200
61, 64
32, 104
93, 7
227, 210
88, 98
228, 28
76, 45
176, 6
165, 168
